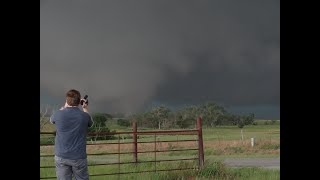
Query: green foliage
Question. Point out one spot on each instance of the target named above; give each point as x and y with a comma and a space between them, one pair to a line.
270, 122
143, 120
99, 125
253, 173
100, 129
215, 169
211, 113
245, 120
160, 114
123, 122
185, 117
100, 119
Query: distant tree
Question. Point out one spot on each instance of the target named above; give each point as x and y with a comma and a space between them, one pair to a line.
213, 114
228, 119
108, 116
249, 119
123, 122
182, 119
243, 121
45, 112
99, 119
186, 116
160, 114
98, 128
143, 119
241, 124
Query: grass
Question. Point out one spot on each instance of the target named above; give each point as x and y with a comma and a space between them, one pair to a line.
255, 173
95, 170
219, 143
212, 170
217, 170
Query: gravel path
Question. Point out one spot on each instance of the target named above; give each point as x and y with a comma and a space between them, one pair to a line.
273, 163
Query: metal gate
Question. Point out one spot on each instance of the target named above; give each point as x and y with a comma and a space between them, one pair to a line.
197, 132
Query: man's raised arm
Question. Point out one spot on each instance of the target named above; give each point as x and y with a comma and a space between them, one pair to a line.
85, 109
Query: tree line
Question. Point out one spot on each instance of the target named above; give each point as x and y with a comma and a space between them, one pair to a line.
162, 117
212, 114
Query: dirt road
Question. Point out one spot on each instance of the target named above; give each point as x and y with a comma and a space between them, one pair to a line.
254, 162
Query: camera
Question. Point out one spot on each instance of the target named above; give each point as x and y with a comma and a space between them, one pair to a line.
84, 100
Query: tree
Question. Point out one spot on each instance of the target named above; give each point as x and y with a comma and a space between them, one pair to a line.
188, 115
181, 119
213, 114
123, 122
241, 123
45, 112
99, 125
98, 128
99, 119
43, 119
244, 120
108, 116
143, 119
228, 119
160, 114
249, 119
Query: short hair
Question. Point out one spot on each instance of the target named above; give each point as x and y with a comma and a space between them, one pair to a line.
73, 97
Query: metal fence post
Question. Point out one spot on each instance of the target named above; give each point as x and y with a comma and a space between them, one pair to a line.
200, 143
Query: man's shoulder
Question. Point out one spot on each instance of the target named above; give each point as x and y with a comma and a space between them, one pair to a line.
56, 112
86, 114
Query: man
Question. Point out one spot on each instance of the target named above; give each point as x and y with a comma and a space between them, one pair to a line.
70, 141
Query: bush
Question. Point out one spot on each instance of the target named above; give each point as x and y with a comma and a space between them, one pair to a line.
216, 169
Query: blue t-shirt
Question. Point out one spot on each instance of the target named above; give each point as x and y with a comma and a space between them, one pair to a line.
71, 132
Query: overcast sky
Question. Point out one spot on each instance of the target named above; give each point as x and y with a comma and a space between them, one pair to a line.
128, 55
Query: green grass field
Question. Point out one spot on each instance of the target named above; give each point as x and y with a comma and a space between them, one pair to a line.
219, 143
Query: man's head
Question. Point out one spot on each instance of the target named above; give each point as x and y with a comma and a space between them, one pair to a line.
73, 97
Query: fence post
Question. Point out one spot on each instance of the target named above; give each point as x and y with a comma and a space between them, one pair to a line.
135, 146
200, 143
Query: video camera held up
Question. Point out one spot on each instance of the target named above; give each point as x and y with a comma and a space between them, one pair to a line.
84, 100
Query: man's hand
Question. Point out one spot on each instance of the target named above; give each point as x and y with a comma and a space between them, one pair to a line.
85, 107
65, 105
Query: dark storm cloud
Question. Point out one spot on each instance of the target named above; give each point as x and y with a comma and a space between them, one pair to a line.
126, 54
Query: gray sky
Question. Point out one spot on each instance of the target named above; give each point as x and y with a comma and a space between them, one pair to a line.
127, 55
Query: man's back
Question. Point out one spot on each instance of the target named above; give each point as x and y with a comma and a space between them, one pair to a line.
71, 131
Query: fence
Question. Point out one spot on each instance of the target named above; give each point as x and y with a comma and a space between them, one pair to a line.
197, 132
